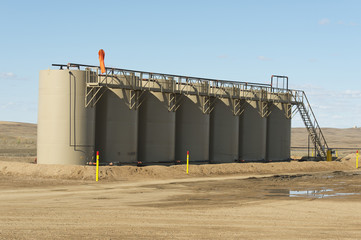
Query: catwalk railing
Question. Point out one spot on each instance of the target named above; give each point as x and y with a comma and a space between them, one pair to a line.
137, 82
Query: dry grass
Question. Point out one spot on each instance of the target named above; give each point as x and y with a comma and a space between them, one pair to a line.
335, 137
18, 141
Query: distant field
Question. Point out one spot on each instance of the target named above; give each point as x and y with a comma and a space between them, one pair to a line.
335, 137
18, 140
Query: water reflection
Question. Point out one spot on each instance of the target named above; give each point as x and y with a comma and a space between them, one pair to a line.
321, 193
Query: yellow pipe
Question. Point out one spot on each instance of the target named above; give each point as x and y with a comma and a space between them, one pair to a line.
97, 168
187, 161
357, 159
329, 155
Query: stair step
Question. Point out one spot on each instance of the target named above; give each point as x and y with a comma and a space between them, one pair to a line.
313, 131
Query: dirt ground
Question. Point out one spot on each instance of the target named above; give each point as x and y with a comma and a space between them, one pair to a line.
302, 206
289, 200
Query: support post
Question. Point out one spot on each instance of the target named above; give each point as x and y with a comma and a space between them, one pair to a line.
97, 168
308, 147
187, 161
357, 155
329, 155
315, 151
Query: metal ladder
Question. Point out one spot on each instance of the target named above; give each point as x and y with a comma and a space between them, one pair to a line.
310, 121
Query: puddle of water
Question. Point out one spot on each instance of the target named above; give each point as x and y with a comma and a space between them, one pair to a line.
323, 193
346, 185
310, 193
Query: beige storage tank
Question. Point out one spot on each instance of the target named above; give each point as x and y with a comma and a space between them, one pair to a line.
252, 133
224, 133
192, 130
278, 132
116, 127
156, 129
65, 126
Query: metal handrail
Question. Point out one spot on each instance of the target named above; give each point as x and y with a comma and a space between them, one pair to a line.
315, 121
223, 85
80, 66
152, 81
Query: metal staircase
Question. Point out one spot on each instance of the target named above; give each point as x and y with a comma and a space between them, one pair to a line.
310, 121
303, 106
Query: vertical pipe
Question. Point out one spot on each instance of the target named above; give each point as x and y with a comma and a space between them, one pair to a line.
308, 147
97, 168
187, 161
329, 155
315, 151
357, 155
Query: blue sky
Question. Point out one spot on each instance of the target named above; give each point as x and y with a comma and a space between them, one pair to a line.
316, 43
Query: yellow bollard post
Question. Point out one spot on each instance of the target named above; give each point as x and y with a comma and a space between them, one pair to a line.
336, 153
357, 159
329, 155
187, 161
97, 168
312, 153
